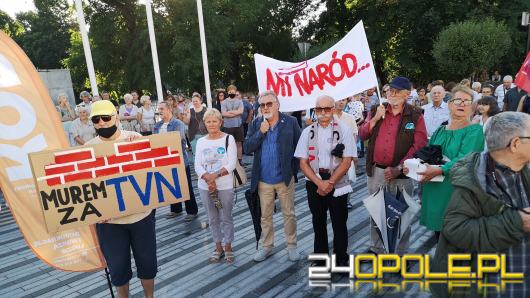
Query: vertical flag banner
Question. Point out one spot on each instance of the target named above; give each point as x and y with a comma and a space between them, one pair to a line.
522, 79
341, 71
30, 123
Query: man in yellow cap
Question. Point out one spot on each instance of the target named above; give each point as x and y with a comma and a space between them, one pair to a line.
118, 235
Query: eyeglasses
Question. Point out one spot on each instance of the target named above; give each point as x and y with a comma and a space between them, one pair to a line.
323, 109
105, 118
459, 101
268, 105
510, 142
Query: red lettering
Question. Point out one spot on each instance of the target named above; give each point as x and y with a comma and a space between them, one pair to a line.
322, 71
315, 80
302, 84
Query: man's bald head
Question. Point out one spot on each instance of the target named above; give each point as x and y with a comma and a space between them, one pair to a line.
325, 101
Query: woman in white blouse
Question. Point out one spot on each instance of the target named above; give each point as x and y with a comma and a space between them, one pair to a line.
214, 164
146, 116
128, 113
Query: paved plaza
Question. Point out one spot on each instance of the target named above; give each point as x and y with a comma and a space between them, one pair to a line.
183, 251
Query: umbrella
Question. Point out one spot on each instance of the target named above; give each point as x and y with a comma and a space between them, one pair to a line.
384, 207
255, 212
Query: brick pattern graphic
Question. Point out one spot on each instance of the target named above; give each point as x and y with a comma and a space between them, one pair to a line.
82, 164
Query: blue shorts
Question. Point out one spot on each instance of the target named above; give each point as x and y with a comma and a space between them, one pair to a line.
116, 242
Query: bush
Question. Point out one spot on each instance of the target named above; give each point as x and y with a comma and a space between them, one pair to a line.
471, 46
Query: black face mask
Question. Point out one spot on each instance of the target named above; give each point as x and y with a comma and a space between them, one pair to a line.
231, 95
106, 132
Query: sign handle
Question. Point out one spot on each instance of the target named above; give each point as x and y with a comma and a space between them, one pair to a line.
107, 274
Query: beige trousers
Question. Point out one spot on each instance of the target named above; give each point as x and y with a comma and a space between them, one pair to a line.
267, 194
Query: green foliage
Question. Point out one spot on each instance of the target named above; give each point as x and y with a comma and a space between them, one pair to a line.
401, 34
235, 30
467, 47
46, 35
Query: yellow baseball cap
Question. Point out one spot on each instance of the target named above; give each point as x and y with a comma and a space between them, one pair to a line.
102, 108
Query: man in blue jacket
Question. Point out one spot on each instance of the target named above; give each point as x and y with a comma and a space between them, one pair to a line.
168, 124
273, 138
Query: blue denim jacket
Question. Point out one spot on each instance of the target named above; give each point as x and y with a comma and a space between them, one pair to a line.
175, 125
289, 133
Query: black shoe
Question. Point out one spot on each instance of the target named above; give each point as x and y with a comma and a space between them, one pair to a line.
349, 205
318, 263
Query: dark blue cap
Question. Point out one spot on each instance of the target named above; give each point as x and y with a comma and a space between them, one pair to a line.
401, 83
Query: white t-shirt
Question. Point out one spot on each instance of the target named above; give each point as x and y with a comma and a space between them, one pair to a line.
148, 117
324, 144
133, 110
163, 128
500, 92
128, 219
211, 156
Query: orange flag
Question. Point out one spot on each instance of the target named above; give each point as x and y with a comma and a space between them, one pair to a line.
30, 123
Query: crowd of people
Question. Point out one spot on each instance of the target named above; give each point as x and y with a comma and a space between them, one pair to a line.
482, 131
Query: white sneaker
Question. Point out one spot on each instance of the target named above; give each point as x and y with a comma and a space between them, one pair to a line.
262, 254
293, 254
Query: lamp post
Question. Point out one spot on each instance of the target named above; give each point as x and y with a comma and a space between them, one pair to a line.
304, 47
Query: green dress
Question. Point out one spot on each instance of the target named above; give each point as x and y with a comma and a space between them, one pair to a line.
455, 145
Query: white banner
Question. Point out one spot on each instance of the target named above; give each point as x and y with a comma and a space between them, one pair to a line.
343, 70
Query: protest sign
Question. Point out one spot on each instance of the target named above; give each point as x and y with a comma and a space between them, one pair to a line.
90, 184
29, 123
343, 70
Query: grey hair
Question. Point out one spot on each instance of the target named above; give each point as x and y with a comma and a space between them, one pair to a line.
476, 85
507, 78
502, 128
127, 95
212, 113
144, 98
462, 88
84, 93
268, 93
325, 97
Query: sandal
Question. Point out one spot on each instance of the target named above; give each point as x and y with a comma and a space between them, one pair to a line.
216, 256
229, 257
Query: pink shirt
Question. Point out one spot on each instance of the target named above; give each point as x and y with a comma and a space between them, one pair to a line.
385, 142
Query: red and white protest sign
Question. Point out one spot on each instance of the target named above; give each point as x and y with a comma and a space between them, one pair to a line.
343, 70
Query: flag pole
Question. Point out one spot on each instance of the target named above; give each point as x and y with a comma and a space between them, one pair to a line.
86, 47
204, 55
154, 52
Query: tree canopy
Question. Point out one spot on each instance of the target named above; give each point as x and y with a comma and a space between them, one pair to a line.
402, 37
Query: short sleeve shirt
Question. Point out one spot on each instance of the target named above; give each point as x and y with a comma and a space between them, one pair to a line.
232, 105
324, 144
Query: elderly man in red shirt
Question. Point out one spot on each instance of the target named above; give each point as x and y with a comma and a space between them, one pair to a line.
395, 130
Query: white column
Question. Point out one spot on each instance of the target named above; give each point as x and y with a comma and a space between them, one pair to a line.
154, 52
204, 55
86, 47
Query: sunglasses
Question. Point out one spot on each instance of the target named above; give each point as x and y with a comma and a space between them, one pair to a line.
268, 105
105, 118
324, 109
459, 101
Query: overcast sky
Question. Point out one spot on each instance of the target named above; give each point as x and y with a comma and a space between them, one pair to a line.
11, 7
